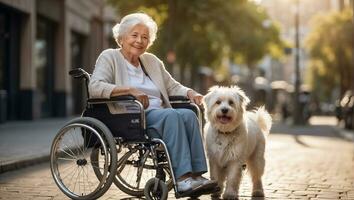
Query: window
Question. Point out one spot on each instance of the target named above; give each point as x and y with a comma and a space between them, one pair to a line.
44, 64
3, 38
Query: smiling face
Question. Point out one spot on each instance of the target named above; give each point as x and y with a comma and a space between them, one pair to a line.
135, 42
225, 107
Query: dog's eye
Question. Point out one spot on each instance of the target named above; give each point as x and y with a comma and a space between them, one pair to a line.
231, 102
218, 102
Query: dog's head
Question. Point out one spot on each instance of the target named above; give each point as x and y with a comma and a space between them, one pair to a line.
225, 107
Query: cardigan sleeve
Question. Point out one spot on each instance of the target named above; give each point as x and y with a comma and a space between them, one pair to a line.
173, 87
102, 80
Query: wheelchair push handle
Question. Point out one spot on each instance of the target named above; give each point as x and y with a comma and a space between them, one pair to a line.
79, 73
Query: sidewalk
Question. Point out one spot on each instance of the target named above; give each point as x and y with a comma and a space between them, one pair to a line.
25, 143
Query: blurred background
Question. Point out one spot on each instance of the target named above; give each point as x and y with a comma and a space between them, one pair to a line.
293, 56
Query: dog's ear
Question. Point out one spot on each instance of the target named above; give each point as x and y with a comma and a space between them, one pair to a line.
213, 88
245, 99
241, 94
207, 97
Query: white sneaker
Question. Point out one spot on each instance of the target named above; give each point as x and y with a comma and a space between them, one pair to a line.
204, 181
187, 184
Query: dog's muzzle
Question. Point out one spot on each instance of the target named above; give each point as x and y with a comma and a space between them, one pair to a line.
224, 119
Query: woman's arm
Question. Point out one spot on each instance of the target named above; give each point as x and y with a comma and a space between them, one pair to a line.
102, 82
140, 96
175, 88
102, 79
172, 86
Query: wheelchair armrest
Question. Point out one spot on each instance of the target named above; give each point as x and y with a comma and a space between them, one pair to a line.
181, 99
112, 99
178, 102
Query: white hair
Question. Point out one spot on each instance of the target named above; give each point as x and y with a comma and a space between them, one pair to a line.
129, 21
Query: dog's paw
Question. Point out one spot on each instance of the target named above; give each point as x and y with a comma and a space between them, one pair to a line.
215, 196
232, 196
258, 193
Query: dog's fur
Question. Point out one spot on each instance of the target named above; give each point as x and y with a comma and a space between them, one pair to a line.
234, 137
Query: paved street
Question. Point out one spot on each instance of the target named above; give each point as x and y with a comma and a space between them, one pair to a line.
308, 162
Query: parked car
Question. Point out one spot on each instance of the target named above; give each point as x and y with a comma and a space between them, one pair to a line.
345, 109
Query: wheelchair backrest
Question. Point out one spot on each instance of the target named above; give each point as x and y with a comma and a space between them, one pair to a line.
79, 73
128, 125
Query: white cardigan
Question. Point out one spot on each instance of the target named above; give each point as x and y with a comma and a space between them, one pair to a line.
111, 71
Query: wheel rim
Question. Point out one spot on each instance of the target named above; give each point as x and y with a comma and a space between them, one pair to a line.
133, 172
98, 160
131, 176
71, 164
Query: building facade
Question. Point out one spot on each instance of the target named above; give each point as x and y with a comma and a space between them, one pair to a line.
40, 42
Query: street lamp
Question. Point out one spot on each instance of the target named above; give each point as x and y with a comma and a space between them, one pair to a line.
297, 108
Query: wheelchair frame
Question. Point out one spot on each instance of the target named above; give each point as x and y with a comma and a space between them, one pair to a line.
155, 186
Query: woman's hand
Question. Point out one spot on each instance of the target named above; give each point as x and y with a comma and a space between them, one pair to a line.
195, 97
140, 96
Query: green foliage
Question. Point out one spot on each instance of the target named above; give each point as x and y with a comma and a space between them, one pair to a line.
330, 47
203, 32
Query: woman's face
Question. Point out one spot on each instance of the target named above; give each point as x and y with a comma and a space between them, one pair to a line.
136, 41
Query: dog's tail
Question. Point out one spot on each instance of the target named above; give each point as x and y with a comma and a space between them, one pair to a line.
263, 119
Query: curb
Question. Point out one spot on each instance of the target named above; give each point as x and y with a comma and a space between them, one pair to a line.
345, 134
19, 164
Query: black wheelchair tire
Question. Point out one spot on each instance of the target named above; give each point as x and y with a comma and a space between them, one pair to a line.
162, 191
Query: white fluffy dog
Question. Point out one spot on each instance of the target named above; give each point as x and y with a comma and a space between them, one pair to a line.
234, 137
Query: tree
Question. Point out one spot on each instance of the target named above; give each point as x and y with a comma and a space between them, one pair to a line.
203, 32
330, 48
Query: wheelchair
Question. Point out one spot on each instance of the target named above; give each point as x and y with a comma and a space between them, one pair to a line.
99, 148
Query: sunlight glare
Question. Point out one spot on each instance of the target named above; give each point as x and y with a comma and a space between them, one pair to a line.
257, 1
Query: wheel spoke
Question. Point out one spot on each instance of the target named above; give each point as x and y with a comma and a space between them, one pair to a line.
76, 164
69, 172
88, 180
69, 159
72, 155
77, 144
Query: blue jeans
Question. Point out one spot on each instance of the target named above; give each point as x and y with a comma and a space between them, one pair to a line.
179, 129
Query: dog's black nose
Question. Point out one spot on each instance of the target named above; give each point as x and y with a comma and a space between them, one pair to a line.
224, 110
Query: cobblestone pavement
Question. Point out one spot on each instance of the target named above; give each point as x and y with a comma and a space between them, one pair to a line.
312, 165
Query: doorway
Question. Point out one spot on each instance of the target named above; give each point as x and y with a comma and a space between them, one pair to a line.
10, 30
44, 65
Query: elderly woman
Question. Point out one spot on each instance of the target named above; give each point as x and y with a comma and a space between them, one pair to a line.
130, 70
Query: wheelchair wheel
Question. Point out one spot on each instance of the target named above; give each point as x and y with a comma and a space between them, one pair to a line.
135, 168
155, 189
71, 165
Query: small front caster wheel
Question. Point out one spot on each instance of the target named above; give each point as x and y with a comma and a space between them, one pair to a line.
155, 189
